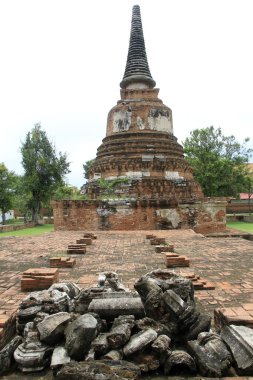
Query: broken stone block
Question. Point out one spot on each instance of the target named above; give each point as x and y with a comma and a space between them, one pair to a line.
139, 341
70, 288
51, 329
119, 335
173, 302
51, 301
161, 328
240, 341
180, 362
114, 355
166, 280
100, 344
79, 335
161, 344
110, 308
146, 361
25, 316
6, 354
211, 355
84, 298
99, 369
59, 358
111, 280
32, 355
202, 324
39, 278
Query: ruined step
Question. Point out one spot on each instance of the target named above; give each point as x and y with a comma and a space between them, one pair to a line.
164, 248
90, 235
150, 236
87, 241
242, 315
79, 249
199, 283
179, 261
157, 241
39, 278
62, 262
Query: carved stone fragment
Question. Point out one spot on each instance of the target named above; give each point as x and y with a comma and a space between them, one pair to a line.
32, 355
240, 341
211, 355
113, 307
139, 341
79, 335
181, 362
6, 354
114, 355
99, 369
59, 358
51, 329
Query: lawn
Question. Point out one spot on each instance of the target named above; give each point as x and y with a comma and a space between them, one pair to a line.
38, 230
242, 226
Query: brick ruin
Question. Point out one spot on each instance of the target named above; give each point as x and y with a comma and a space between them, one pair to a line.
140, 178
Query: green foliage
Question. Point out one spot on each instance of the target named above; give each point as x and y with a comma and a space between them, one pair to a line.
6, 190
38, 230
44, 171
68, 192
109, 185
242, 226
218, 161
86, 167
63, 192
22, 199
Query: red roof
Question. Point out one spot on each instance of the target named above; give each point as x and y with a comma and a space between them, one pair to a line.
245, 196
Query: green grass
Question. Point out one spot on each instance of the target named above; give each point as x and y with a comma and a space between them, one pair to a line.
38, 230
242, 226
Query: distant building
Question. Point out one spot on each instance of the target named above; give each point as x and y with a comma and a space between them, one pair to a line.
8, 215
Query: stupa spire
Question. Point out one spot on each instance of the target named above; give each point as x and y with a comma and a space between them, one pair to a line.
137, 69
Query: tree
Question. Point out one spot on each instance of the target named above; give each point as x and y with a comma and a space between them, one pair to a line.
44, 171
86, 167
218, 161
6, 190
22, 199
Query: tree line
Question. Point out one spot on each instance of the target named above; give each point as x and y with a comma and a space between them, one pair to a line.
218, 163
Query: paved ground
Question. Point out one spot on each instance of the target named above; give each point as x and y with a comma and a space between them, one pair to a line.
227, 262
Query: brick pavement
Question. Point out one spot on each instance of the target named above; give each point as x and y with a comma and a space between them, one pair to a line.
226, 262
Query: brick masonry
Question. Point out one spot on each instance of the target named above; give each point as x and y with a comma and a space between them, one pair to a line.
203, 217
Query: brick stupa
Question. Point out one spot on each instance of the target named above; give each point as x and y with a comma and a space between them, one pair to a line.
140, 179
140, 150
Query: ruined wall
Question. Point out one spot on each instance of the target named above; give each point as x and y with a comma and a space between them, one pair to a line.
202, 217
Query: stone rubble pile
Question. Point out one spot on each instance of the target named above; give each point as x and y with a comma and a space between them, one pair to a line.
107, 332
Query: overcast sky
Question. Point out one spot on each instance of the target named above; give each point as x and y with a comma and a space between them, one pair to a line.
62, 61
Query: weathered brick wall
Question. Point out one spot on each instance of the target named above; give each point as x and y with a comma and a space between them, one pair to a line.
203, 217
236, 208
